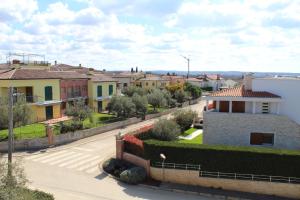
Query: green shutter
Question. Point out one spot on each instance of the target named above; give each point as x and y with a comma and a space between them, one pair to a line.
99, 91
111, 89
48, 93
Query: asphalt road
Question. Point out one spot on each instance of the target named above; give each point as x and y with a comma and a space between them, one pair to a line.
71, 171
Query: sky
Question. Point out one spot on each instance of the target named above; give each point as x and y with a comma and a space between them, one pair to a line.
220, 35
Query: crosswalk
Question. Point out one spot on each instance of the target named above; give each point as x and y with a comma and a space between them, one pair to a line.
77, 158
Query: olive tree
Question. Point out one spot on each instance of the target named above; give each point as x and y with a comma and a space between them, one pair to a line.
166, 130
141, 103
156, 99
131, 90
121, 106
184, 118
79, 110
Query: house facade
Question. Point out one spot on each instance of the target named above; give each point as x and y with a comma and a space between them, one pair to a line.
100, 90
258, 113
150, 82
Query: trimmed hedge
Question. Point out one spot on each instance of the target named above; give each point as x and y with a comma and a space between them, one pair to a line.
247, 160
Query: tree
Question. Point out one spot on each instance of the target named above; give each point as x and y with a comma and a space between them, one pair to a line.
122, 106
169, 100
172, 88
166, 130
180, 96
195, 91
21, 111
156, 99
184, 118
79, 110
141, 104
131, 90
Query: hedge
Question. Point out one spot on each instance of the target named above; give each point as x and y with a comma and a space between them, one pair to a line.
246, 160
133, 145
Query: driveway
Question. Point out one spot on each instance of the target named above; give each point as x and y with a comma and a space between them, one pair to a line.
71, 171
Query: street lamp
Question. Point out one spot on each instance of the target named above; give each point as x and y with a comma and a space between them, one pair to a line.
188, 62
163, 157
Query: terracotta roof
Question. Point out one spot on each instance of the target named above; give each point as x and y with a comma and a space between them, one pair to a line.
27, 74
102, 78
153, 78
241, 92
194, 80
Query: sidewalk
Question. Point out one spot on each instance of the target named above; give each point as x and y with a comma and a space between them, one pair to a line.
212, 192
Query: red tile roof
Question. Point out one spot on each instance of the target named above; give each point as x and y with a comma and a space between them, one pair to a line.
241, 92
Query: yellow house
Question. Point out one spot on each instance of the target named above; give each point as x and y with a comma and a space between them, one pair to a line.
151, 82
100, 90
41, 91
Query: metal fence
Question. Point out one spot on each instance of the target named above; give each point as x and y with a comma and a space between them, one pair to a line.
237, 176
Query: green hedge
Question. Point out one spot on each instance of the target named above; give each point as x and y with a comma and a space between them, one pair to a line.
248, 160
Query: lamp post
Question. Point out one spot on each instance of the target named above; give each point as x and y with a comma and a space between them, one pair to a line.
188, 62
163, 157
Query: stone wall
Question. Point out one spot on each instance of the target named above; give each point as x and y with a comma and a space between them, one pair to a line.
235, 129
192, 178
137, 161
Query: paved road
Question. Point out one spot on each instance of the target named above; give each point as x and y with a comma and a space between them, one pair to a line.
71, 171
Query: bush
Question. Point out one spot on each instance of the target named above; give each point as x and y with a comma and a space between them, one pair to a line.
133, 175
166, 130
24, 193
133, 145
116, 166
195, 91
184, 118
246, 160
70, 127
156, 99
180, 96
141, 103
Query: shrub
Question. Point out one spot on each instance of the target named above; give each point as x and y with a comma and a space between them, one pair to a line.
133, 175
70, 127
156, 99
116, 166
133, 145
245, 160
165, 130
141, 103
180, 96
184, 118
195, 91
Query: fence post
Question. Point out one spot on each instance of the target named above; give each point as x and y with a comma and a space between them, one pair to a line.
185, 166
289, 179
218, 174
270, 178
234, 175
252, 177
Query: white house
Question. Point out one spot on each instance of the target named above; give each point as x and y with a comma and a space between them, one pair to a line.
262, 112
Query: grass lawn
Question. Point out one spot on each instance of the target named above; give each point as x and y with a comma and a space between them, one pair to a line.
150, 109
99, 119
189, 131
196, 140
35, 130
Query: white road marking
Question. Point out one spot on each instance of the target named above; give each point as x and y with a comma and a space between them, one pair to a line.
74, 160
65, 159
56, 157
83, 149
89, 165
43, 155
83, 162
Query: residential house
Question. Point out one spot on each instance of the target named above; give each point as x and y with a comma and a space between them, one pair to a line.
215, 81
126, 79
196, 82
101, 88
173, 79
150, 82
41, 91
261, 112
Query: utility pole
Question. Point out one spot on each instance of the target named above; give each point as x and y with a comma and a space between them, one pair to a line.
188, 62
10, 125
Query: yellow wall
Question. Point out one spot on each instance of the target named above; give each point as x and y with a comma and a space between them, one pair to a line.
37, 85
157, 84
92, 91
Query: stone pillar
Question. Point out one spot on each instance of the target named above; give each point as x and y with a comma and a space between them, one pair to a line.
119, 147
253, 107
278, 108
218, 106
230, 106
49, 133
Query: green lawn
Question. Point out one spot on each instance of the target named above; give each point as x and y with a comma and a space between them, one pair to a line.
150, 109
189, 131
99, 119
35, 130
196, 140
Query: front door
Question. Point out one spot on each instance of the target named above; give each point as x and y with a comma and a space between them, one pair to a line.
49, 112
100, 107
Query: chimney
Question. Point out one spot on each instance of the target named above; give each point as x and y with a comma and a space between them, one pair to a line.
247, 81
55, 62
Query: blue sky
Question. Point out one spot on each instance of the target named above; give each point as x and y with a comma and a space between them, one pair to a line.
152, 34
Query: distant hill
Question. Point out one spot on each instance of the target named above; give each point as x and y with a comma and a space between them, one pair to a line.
226, 74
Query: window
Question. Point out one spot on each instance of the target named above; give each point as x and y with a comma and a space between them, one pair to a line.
262, 139
146, 83
153, 84
265, 109
110, 90
48, 93
99, 91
